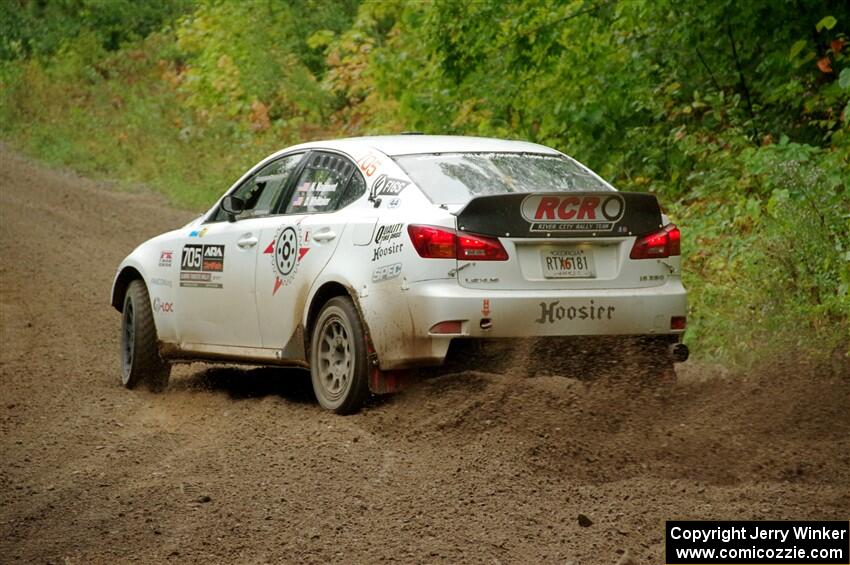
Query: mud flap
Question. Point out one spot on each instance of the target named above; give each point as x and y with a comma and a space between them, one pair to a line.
385, 382
388, 382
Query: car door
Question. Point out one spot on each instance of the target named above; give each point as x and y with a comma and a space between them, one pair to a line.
296, 249
216, 296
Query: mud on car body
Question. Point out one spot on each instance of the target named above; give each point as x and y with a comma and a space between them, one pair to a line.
361, 257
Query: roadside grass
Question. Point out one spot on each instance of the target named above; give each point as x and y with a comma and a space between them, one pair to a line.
130, 127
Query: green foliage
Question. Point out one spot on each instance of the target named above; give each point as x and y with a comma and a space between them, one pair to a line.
253, 59
40, 28
769, 261
736, 114
826, 23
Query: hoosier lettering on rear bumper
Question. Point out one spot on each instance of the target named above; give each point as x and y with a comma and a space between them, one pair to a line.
552, 312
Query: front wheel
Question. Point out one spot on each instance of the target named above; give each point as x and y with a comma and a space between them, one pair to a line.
140, 360
338, 365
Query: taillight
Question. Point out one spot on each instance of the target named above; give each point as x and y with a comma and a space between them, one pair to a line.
433, 242
664, 243
479, 248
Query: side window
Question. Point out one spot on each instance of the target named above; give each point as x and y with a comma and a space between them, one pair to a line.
322, 185
355, 189
262, 190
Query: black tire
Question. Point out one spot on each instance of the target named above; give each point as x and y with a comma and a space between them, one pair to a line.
140, 360
339, 367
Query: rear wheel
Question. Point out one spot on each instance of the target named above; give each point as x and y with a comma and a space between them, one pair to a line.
140, 360
338, 365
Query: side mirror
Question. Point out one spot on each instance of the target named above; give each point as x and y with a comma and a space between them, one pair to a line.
233, 206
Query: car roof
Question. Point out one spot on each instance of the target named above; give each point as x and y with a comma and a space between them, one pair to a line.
411, 144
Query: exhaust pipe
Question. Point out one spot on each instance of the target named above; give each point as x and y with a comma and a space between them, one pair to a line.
679, 352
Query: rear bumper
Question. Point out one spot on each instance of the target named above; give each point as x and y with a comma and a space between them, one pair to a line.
517, 313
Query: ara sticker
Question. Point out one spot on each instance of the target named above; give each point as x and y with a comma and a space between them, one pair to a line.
286, 250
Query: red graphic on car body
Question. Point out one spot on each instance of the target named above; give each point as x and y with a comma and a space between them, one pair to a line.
286, 254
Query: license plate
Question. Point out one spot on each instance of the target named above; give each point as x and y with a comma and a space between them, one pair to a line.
568, 263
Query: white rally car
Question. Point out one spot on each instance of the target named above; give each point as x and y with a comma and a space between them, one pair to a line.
362, 257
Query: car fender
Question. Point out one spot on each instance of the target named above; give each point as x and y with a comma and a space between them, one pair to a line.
380, 294
157, 263
350, 271
332, 275
129, 269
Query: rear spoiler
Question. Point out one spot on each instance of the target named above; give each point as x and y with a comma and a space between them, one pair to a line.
561, 214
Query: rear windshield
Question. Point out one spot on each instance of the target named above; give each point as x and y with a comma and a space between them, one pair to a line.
455, 178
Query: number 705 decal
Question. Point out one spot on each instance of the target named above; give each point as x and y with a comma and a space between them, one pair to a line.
202, 258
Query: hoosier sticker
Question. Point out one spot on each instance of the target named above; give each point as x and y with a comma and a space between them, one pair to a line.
385, 241
382, 252
553, 312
